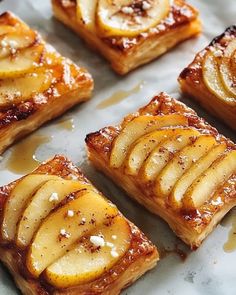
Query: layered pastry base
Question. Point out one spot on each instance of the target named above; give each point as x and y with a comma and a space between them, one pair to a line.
129, 33
59, 235
211, 78
172, 162
37, 84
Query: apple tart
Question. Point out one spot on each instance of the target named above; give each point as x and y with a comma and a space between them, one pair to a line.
37, 84
172, 162
211, 78
129, 33
59, 235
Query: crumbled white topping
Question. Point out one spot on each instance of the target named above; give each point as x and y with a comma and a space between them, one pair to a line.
110, 245
12, 43
83, 219
146, 5
64, 233
4, 43
97, 241
53, 197
70, 213
179, 139
18, 93
114, 237
127, 10
218, 53
114, 253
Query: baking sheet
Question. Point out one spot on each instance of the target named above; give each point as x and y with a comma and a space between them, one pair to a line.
209, 270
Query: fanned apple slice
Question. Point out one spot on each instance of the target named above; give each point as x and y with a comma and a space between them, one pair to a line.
207, 183
5, 29
86, 261
85, 10
212, 78
228, 77
138, 127
17, 201
164, 152
195, 171
46, 198
181, 162
23, 62
59, 232
16, 90
130, 17
142, 148
11, 42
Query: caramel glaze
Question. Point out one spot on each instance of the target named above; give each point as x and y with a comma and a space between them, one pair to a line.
180, 14
101, 141
194, 71
140, 246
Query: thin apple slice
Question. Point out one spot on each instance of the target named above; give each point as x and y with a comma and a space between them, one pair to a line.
17, 90
228, 77
85, 261
17, 201
130, 17
210, 180
142, 148
164, 152
181, 162
86, 12
11, 42
58, 232
195, 171
46, 198
23, 62
5, 29
212, 78
138, 127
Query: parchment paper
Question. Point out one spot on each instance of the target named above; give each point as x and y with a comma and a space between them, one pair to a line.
208, 270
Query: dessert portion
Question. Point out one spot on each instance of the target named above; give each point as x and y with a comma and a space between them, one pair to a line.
37, 84
59, 235
172, 162
129, 33
211, 78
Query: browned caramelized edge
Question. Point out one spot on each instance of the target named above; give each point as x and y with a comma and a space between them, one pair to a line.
180, 14
193, 72
101, 142
17, 112
140, 245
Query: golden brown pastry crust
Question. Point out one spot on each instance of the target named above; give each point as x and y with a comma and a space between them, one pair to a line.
192, 83
141, 256
20, 119
191, 226
126, 54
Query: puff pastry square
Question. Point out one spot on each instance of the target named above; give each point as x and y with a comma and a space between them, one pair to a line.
173, 163
211, 78
124, 49
59, 235
37, 84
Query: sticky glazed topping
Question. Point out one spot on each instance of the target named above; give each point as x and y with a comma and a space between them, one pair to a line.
215, 66
141, 22
187, 166
31, 71
61, 238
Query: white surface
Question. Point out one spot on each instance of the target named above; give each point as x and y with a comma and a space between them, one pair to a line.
208, 270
